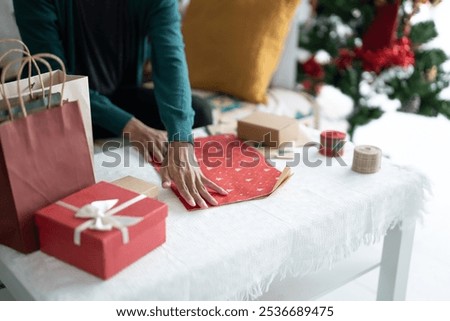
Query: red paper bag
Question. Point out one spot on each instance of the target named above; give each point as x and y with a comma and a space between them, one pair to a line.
43, 157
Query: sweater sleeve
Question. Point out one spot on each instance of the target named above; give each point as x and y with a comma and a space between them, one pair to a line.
170, 72
40, 29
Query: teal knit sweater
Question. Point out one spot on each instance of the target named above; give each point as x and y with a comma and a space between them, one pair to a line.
48, 26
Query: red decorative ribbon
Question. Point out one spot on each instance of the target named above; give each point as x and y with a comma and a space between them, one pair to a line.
332, 143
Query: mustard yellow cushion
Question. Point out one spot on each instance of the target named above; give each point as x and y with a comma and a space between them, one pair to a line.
233, 46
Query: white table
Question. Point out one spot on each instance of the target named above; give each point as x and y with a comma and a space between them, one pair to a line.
320, 217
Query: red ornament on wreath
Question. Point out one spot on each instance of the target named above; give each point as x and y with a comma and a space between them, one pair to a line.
315, 72
312, 68
345, 58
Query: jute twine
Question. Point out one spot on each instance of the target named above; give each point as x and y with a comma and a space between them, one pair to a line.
366, 159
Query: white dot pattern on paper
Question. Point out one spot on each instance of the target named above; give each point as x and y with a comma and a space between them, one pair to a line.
239, 168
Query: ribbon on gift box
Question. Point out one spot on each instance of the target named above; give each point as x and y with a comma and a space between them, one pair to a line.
101, 215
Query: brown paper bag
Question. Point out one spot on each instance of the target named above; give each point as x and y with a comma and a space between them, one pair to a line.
43, 157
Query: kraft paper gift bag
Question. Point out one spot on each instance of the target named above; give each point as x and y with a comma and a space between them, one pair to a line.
44, 157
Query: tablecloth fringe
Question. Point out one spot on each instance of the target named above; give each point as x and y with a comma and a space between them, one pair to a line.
416, 212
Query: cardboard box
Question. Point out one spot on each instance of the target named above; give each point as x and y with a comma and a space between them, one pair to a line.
271, 130
105, 252
138, 185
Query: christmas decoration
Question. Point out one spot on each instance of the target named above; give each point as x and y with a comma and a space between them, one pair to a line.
374, 49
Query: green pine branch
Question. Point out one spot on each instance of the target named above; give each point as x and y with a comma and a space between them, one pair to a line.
426, 59
423, 32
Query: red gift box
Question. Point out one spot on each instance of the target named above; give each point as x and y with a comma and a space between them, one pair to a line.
136, 226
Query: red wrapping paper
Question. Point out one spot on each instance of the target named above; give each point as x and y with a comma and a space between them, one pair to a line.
236, 167
101, 253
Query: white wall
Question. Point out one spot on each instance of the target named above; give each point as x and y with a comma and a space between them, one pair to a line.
8, 29
8, 24
286, 74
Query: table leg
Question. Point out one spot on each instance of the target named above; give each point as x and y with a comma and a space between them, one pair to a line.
394, 267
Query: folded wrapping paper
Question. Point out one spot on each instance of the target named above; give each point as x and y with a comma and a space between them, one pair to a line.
236, 167
102, 229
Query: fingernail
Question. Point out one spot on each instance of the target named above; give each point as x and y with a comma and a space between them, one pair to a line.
224, 192
166, 184
203, 205
214, 202
190, 201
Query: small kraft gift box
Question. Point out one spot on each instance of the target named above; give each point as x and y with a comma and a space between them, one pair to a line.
102, 229
137, 185
269, 129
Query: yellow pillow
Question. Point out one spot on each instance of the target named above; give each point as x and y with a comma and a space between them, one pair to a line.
233, 46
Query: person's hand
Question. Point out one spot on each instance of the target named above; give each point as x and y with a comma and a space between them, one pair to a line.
181, 167
152, 143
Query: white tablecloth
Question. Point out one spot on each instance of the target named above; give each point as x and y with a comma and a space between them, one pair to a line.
320, 216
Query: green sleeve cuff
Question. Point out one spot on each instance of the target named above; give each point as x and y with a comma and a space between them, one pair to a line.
181, 136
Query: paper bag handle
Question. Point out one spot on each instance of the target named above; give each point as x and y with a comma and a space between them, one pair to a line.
63, 69
40, 57
15, 40
26, 60
49, 68
25, 51
32, 61
3, 92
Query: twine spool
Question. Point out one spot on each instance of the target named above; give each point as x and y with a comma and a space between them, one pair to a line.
332, 143
366, 159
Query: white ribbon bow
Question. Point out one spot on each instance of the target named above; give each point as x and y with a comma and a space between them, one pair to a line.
101, 217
